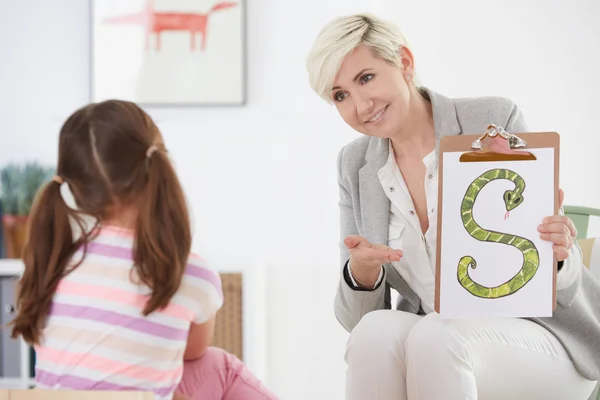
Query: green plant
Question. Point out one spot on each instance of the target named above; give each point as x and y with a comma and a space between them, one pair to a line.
19, 183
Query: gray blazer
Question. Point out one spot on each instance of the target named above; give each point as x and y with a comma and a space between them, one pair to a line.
364, 210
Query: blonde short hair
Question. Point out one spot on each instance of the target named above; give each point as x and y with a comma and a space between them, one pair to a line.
340, 37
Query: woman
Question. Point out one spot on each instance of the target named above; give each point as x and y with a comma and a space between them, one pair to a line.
388, 203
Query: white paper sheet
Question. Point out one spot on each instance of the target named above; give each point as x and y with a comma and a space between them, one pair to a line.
496, 262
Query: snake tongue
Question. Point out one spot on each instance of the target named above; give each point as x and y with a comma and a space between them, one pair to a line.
507, 214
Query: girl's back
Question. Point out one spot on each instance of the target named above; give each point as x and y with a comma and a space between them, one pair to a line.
104, 307
96, 336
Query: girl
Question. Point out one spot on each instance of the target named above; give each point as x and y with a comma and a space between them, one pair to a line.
122, 305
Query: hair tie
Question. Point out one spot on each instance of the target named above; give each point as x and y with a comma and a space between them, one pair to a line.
151, 150
58, 179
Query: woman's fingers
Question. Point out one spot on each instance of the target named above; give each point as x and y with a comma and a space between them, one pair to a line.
561, 252
378, 255
355, 240
369, 254
553, 224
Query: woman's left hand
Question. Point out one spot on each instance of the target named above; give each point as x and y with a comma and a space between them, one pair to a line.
559, 230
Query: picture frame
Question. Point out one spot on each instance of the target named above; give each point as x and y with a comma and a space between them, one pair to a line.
169, 53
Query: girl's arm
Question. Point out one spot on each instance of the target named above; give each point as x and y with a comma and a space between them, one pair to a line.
199, 339
180, 396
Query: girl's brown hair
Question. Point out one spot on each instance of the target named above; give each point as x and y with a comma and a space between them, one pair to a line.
111, 155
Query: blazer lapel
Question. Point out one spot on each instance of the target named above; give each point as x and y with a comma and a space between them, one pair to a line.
375, 205
445, 118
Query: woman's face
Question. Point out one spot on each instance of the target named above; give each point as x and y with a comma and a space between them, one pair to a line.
371, 94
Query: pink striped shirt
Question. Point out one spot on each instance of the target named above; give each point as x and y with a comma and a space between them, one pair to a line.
96, 337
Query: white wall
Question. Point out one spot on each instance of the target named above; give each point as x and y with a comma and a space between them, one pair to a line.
261, 179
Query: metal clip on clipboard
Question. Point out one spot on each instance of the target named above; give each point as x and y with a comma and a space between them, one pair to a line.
514, 142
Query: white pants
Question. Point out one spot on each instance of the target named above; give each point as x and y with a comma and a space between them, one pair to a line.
393, 355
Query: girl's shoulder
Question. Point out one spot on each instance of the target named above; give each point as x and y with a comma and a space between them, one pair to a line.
202, 283
199, 269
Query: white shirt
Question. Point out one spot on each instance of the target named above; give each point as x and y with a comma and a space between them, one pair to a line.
418, 264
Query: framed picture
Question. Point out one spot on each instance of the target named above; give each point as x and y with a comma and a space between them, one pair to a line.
169, 52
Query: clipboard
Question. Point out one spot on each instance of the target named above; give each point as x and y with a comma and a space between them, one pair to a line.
473, 154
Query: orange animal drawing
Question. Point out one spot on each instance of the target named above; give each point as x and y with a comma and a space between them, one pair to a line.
157, 22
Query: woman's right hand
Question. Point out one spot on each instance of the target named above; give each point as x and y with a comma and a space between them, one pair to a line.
366, 259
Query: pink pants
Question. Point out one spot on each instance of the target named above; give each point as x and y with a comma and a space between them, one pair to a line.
218, 375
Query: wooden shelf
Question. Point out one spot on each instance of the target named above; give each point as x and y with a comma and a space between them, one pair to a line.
14, 268
11, 267
16, 383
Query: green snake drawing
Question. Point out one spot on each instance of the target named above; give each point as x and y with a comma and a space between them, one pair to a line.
512, 199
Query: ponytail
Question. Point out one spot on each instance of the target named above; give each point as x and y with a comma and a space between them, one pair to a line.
48, 248
163, 233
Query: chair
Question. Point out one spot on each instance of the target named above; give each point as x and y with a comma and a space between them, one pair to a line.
229, 333
46, 394
581, 218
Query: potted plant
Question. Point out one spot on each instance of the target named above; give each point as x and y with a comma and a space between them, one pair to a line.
18, 186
